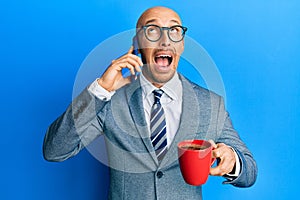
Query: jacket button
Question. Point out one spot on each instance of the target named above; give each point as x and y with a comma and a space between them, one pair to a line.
159, 174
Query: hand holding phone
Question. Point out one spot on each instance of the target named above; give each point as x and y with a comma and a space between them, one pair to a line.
113, 78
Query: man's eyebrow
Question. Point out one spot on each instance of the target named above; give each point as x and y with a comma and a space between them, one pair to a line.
150, 21
175, 21
153, 20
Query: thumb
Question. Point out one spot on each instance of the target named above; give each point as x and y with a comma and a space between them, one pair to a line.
213, 143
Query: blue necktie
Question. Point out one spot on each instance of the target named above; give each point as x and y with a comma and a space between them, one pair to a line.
158, 126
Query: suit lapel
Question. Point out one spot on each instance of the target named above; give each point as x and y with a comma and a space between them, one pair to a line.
189, 121
135, 103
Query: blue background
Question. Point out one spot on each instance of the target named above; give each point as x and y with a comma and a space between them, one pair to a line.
254, 43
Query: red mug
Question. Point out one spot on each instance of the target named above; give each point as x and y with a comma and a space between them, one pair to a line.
195, 160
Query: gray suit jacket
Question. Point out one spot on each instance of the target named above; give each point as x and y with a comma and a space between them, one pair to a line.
134, 169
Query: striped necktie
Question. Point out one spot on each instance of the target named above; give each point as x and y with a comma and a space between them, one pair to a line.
158, 126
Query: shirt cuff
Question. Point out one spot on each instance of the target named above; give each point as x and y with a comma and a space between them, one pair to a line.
237, 169
100, 92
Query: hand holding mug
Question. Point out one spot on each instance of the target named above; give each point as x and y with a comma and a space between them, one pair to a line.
226, 157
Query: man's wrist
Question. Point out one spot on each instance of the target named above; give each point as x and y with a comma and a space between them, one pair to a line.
96, 89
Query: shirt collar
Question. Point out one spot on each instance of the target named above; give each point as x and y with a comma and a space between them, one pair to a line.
172, 88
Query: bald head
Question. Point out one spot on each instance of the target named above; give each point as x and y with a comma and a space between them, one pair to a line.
161, 54
155, 13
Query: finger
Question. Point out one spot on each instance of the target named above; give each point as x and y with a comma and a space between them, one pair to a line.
221, 169
228, 159
218, 149
218, 171
212, 143
214, 171
216, 153
139, 60
129, 54
226, 165
122, 65
221, 144
132, 60
136, 59
130, 50
130, 67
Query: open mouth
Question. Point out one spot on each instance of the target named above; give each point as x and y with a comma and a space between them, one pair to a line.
163, 59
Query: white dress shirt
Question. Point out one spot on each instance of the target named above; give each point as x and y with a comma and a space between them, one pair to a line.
171, 101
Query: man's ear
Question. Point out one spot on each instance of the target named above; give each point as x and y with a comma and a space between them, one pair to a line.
182, 47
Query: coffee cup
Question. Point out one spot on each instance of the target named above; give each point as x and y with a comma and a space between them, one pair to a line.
195, 160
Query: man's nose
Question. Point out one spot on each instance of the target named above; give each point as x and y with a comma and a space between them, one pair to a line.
164, 40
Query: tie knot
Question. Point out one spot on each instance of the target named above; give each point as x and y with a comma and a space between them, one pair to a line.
157, 95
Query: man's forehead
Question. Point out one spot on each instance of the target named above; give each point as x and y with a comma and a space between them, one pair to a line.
158, 14
156, 20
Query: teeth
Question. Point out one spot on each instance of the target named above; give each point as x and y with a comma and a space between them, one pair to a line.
168, 56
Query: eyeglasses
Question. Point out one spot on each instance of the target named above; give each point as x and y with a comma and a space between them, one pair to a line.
154, 32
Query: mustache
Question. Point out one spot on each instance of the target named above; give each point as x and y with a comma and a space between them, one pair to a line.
157, 50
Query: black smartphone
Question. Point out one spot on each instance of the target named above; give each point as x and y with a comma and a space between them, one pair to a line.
135, 51
135, 46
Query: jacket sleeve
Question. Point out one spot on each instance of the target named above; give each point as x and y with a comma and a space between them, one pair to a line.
80, 124
228, 136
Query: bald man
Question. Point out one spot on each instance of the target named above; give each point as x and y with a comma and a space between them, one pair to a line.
142, 149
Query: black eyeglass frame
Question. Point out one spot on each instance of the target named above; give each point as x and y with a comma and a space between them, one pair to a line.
184, 29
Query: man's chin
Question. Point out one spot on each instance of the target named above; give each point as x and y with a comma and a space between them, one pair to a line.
163, 78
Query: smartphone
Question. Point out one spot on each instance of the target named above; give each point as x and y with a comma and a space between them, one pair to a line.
135, 46
135, 51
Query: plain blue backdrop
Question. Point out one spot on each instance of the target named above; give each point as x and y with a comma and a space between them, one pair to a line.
255, 45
